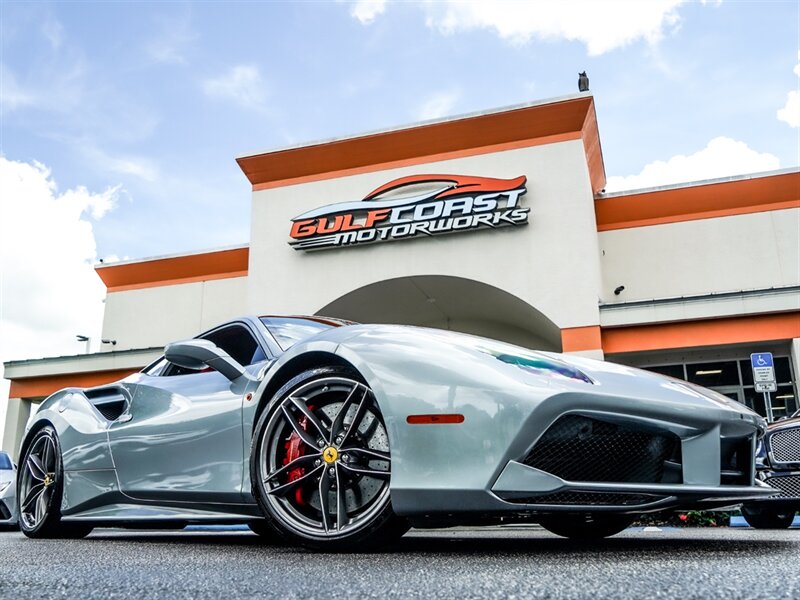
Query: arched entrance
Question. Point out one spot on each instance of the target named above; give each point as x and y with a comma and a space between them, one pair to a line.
452, 303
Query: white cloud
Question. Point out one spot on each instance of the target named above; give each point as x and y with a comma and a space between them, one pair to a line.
242, 84
12, 95
172, 41
601, 26
437, 106
366, 10
49, 291
722, 157
790, 113
136, 166
53, 31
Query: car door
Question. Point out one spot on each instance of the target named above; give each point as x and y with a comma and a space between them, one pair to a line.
182, 438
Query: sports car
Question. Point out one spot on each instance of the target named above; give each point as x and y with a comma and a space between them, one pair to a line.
8, 488
337, 435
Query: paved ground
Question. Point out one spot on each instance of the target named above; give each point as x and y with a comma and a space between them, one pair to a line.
518, 562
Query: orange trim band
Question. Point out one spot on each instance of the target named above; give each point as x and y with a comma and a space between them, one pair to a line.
746, 196
575, 339
551, 139
40, 387
434, 419
522, 127
221, 264
708, 332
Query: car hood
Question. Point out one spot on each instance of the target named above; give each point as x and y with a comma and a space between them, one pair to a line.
560, 372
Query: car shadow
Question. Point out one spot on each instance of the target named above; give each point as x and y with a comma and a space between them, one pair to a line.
422, 543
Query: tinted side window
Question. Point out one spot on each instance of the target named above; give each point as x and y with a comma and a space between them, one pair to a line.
239, 343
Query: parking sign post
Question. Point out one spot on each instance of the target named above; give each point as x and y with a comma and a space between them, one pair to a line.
764, 378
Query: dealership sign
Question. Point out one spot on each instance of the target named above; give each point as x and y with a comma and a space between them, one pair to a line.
413, 206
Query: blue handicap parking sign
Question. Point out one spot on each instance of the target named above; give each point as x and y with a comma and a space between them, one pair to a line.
761, 359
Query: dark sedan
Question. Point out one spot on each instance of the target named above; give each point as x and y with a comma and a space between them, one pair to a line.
778, 464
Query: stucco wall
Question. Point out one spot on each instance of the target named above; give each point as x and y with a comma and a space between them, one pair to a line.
154, 316
741, 252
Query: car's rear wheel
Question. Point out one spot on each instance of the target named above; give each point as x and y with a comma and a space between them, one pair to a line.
766, 518
590, 526
321, 463
40, 487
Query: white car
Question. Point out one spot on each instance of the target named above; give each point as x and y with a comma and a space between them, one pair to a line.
8, 492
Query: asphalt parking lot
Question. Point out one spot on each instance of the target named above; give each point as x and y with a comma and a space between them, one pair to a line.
502, 562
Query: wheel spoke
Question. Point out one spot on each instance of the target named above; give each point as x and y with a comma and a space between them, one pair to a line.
48, 453
338, 423
282, 489
360, 412
368, 452
296, 463
36, 468
367, 472
300, 403
324, 500
41, 505
298, 429
32, 496
341, 501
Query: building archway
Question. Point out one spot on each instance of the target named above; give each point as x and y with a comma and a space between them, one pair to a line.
451, 303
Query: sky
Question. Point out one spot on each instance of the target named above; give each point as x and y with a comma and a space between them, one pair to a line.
120, 121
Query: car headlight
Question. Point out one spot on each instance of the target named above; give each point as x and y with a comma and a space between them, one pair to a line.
4, 485
544, 366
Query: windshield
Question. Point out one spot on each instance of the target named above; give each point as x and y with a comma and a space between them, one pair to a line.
5, 462
287, 331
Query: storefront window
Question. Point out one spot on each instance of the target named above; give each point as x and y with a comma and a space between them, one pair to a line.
734, 378
714, 374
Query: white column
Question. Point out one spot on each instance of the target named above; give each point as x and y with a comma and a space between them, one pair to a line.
19, 409
796, 361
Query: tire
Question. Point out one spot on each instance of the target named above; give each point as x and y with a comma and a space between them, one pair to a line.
591, 526
762, 517
321, 466
40, 487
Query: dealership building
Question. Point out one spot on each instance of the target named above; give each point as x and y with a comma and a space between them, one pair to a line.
495, 224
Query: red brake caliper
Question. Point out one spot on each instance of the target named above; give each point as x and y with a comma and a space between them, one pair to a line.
295, 448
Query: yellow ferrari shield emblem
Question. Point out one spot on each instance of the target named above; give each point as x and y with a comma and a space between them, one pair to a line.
330, 454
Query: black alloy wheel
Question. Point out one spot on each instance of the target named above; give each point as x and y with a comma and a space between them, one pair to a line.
321, 463
40, 487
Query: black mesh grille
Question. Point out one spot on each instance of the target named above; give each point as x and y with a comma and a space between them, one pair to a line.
590, 499
111, 410
789, 486
785, 445
578, 448
5, 514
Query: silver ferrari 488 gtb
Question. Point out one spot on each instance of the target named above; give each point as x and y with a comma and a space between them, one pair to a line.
337, 435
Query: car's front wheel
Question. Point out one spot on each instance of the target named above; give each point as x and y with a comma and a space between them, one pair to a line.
40, 487
321, 463
765, 518
588, 526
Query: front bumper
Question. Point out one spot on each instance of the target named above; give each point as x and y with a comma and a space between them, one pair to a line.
528, 488
8, 510
590, 458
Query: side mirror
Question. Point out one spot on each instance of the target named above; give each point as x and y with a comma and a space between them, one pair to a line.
197, 354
